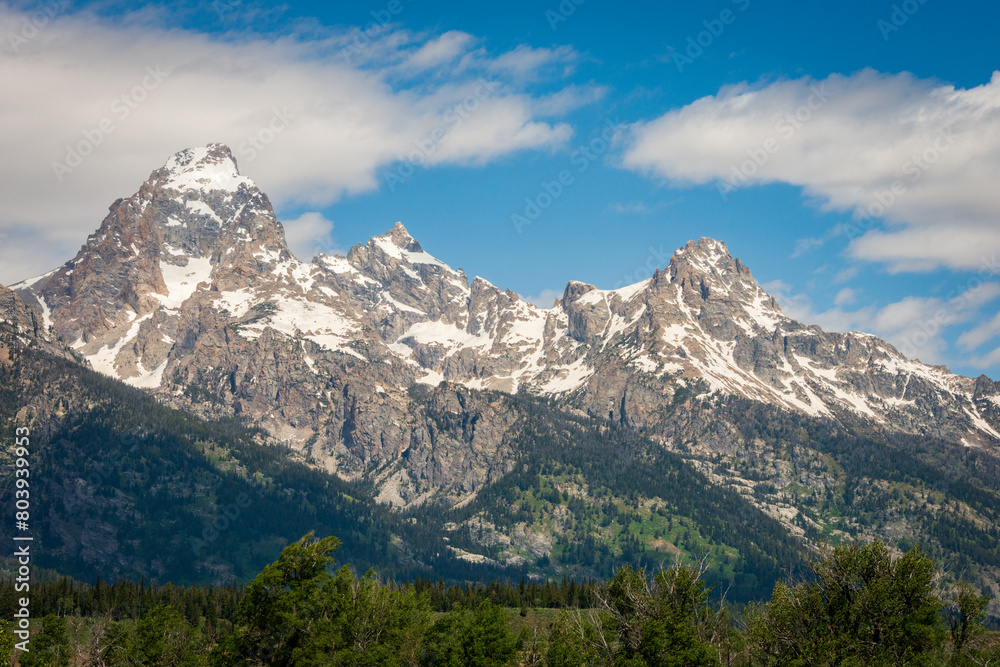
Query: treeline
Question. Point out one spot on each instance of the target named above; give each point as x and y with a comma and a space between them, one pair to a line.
201, 606
208, 606
860, 605
546, 595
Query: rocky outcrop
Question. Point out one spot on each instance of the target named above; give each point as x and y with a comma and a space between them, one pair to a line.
188, 289
14, 313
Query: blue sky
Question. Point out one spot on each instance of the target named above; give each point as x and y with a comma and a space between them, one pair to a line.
846, 152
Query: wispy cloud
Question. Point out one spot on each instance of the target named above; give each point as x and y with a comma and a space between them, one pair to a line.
529, 62
439, 51
980, 334
846, 274
545, 299
845, 297
918, 326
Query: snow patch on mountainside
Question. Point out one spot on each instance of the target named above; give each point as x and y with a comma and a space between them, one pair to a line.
103, 360
46, 312
182, 281
568, 378
24, 284
148, 379
199, 207
437, 332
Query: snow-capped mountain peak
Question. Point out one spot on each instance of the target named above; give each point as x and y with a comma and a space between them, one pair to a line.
189, 281
206, 168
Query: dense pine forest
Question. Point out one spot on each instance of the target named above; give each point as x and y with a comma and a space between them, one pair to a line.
859, 604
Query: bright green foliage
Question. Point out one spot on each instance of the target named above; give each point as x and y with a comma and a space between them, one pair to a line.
865, 608
161, 638
970, 645
487, 641
471, 639
296, 613
572, 643
375, 624
50, 647
442, 644
284, 618
6, 643
965, 618
645, 623
656, 623
861, 608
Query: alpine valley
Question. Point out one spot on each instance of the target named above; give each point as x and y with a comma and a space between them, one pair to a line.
185, 367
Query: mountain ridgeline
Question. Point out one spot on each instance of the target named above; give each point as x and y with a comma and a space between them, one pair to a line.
129, 488
442, 427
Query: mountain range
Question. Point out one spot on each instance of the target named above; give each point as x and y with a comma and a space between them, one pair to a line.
188, 292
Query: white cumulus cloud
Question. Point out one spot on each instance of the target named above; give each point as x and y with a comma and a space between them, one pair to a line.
919, 326
914, 161
310, 234
93, 105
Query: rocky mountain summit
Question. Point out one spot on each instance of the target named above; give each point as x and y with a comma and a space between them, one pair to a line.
188, 290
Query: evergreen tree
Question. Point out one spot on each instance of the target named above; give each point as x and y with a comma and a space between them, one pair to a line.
864, 608
50, 647
162, 638
487, 641
284, 617
6, 643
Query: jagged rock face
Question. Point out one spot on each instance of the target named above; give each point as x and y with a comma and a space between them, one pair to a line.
27, 326
188, 289
21, 322
17, 315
